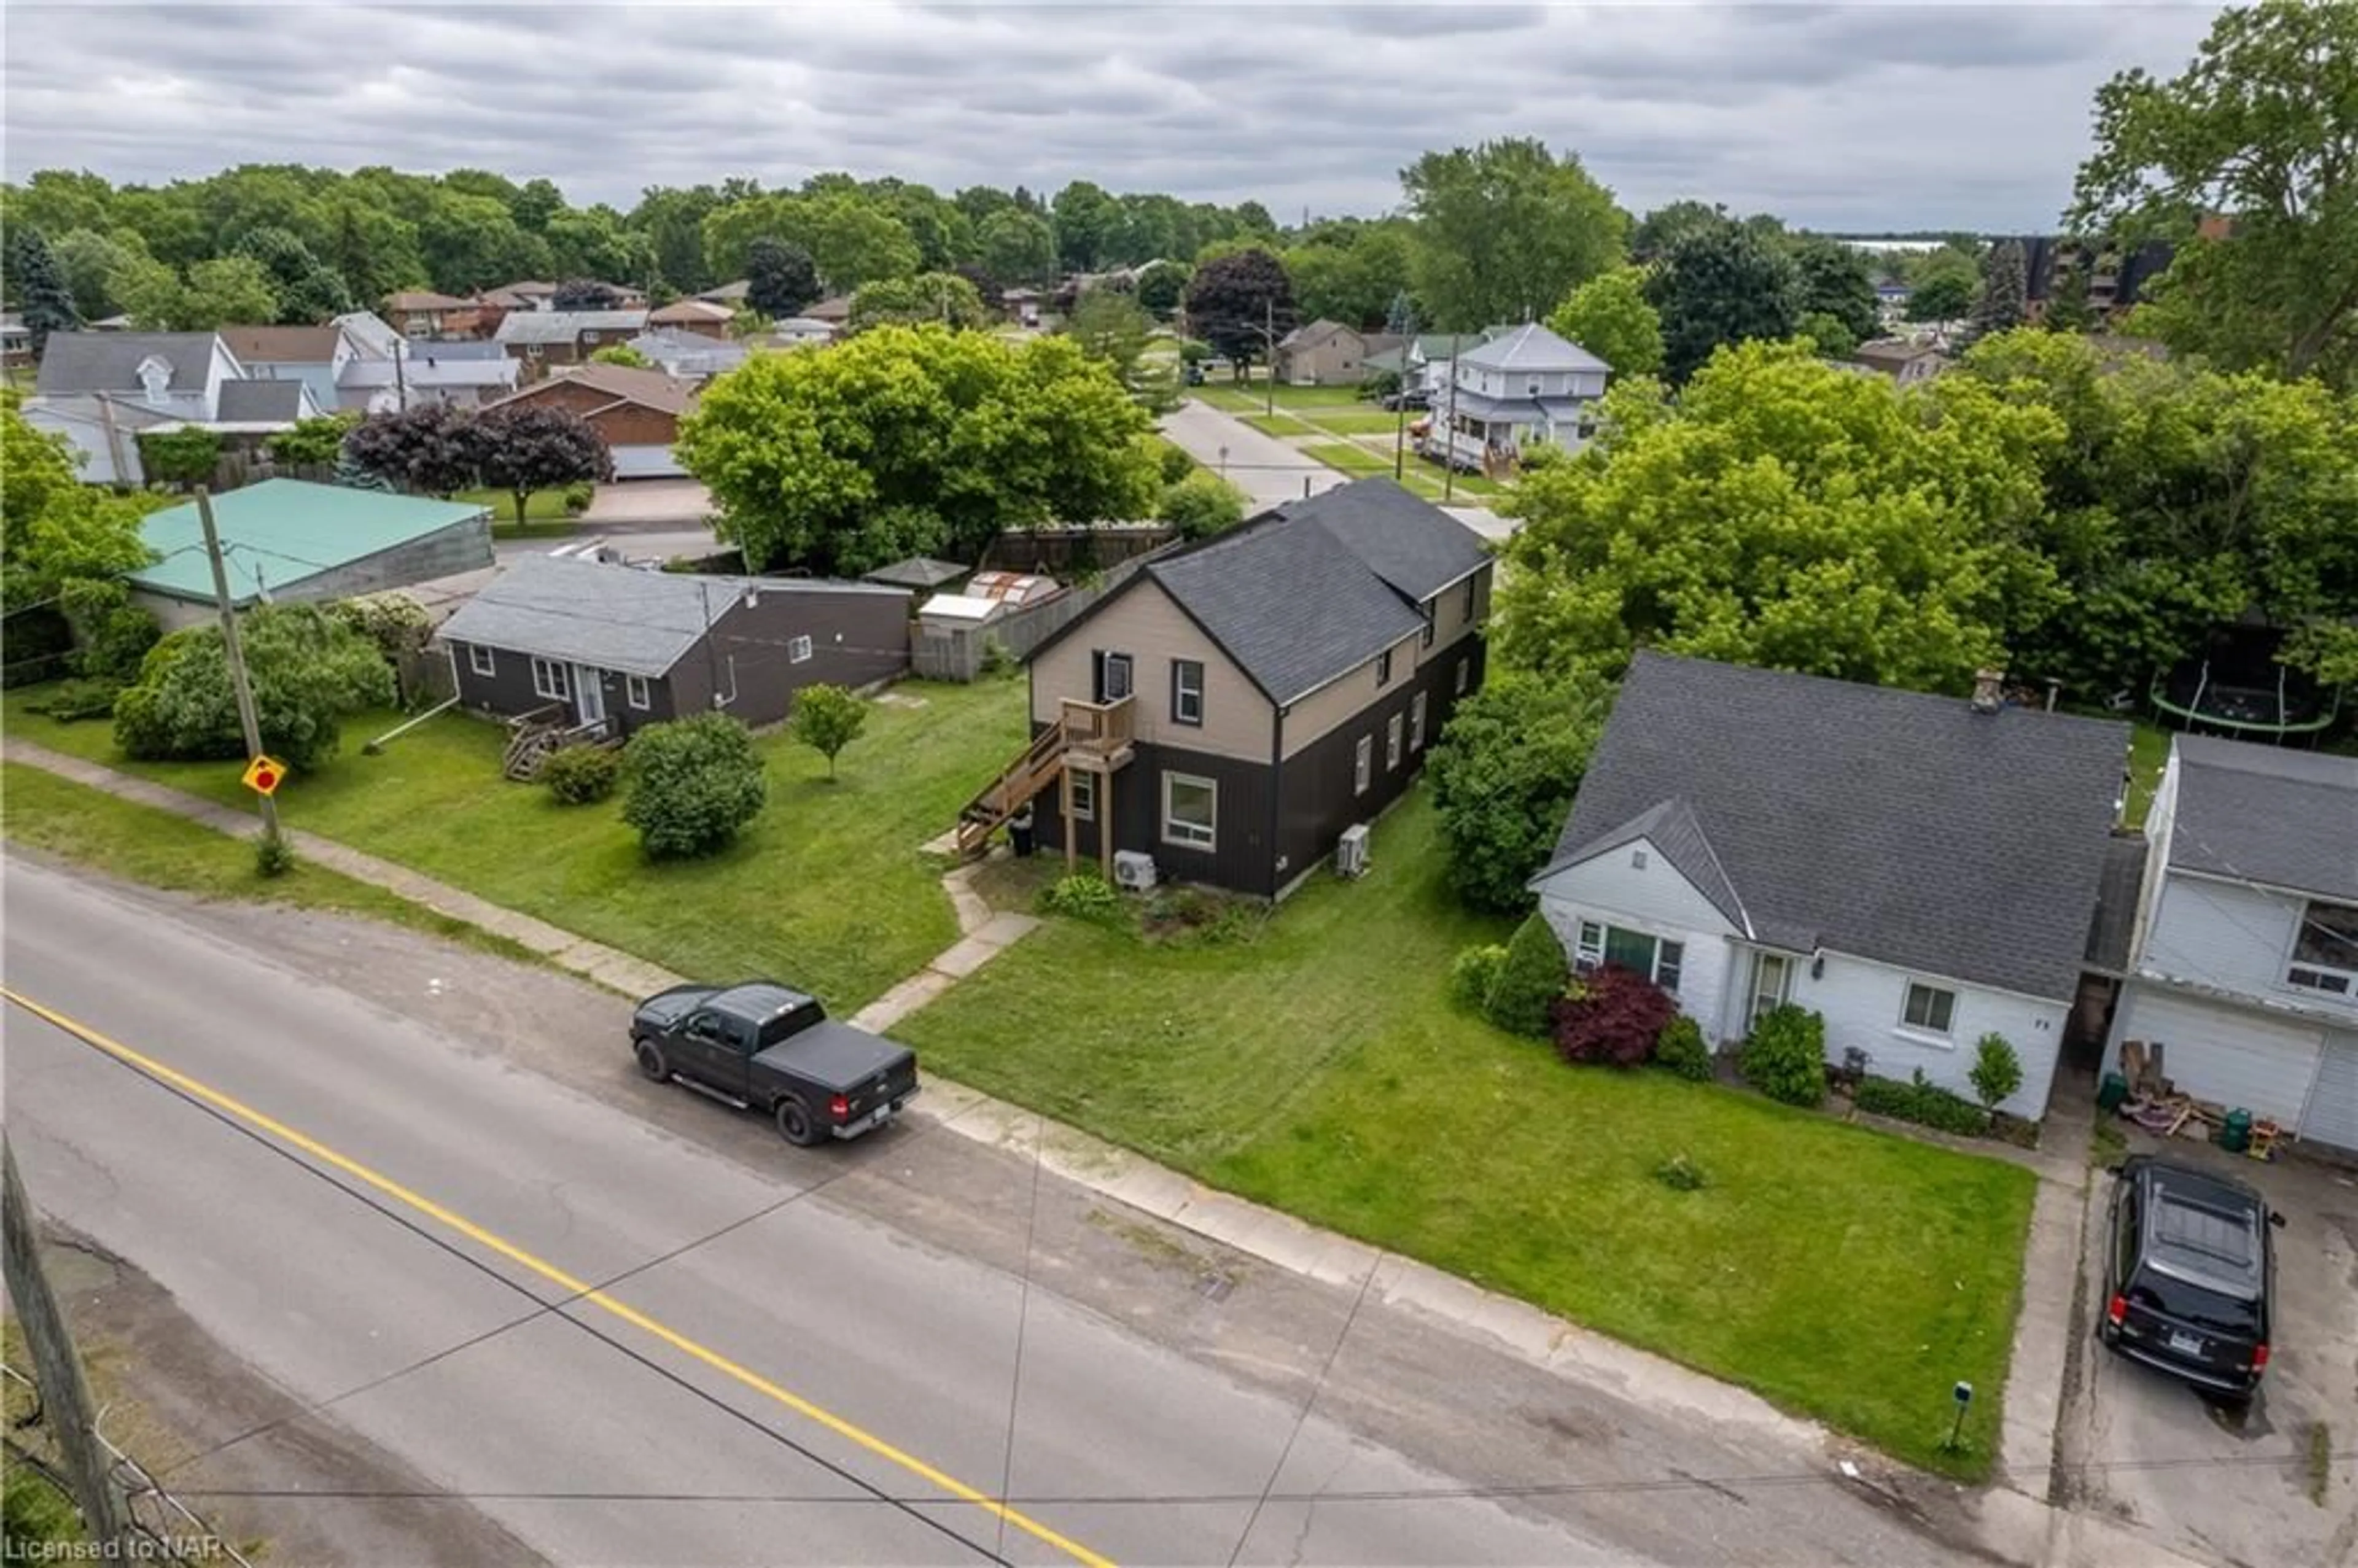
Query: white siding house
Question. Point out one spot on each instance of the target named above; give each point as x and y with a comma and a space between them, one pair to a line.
1919, 871
2244, 959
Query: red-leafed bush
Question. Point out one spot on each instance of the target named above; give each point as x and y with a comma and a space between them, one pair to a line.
1614, 1016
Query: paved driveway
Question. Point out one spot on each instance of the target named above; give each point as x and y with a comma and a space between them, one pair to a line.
2235, 1489
649, 504
1263, 467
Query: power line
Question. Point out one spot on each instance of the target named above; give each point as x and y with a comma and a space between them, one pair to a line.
1301, 1417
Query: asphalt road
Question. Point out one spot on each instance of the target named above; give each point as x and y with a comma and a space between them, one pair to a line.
624, 1347
1263, 467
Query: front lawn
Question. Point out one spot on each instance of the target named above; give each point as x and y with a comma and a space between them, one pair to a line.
1254, 397
541, 506
1846, 1274
828, 887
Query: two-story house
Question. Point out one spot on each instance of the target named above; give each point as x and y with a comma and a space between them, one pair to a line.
422, 313
1328, 353
1920, 870
1524, 387
102, 390
1233, 707
316, 356
541, 337
2243, 961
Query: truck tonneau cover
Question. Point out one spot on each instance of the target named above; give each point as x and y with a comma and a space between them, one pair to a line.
834, 1055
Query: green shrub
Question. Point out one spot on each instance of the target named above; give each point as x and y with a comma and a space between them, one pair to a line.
273, 855
1681, 1174
1997, 1071
1920, 1101
579, 776
1530, 978
578, 497
694, 782
1084, 895
308, 671
77, 699
1681, 1049
114, 633
1786, 1056
1172, 459
998, 664
1474, 972
1201, 505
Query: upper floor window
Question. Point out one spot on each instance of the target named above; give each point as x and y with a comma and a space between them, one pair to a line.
1186, 691
1472, 584
1384, 667
2325, 949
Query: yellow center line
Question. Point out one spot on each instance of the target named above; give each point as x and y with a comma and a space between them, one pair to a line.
579, 1288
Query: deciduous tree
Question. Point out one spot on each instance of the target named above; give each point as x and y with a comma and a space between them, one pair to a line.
54, 529
1504, 775
942, 297
1504, 230
523, 446
225, 291
781, 279
1837, 281
1721, 285
584, 293
430, 449
826, 719
1241, 303
910, 440
2262, 126
308, 671
1666, 226
1161, 286
1017, 246
1609, 316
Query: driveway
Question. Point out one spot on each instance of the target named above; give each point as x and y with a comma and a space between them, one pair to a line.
646, 504
2235, 1489
1263, 467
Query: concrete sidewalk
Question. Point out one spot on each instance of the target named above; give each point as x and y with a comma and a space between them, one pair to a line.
2015, 1521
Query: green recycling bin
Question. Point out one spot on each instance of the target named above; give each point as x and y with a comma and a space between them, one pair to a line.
2235, 1132
2114, 1089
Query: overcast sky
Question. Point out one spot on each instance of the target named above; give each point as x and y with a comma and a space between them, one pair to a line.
1893, 114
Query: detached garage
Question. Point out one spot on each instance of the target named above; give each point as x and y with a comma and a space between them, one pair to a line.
636, 412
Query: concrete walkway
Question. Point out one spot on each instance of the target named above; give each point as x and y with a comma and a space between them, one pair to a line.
1271, 470
2015, 1521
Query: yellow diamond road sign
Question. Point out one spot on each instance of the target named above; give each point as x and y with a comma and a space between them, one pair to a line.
264, 774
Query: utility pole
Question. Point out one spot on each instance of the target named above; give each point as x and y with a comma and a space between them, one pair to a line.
57, 1369
400, 378
235, 652
1269, 336
1449, 434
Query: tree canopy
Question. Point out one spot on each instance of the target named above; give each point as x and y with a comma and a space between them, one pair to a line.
2262, 128
943, 298
308, 669
1609, 316
1241, 303
54, 529
43, 291
780, 279
913, 440
1504, 230
523, 446
1719, 284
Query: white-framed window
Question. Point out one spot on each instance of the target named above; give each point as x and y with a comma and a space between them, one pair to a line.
1416, 722
1113, 677
1472, 584
548, 679
1465, 668
1363, 764
1772, 983
1384, 668
634, 691
1929, 1010
1187, 691
1191, 811
799, 650
1392, 742
2325, 949
1658, 958
1080, 795
482, 660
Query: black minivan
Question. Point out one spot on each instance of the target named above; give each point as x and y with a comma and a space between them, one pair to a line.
2190, 1275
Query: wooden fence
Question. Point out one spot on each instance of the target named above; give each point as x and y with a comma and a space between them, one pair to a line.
959, 653
1064, 552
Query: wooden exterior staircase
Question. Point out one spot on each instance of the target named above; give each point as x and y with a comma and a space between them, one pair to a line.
532, 736
1092, 735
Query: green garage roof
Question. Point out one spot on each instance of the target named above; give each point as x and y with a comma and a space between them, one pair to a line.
283, 531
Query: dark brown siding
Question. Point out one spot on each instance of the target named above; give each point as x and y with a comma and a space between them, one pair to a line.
507, 690
858, 636
1239, 857
1317, 799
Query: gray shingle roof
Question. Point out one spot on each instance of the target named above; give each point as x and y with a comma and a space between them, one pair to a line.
616, 617
2114, 922
565, 326
1409, 543
1889, 825
1530, 347
109, 361
2268, 815
257, 402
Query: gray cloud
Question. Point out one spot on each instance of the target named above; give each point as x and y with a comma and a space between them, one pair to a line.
1892, 114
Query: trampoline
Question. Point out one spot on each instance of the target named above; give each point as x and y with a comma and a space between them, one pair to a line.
2235, 688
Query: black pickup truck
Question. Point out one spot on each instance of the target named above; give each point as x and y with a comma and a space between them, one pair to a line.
759, 1044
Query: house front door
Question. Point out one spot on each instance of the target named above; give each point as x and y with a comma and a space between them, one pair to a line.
589, 694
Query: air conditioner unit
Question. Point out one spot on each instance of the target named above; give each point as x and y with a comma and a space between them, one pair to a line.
1133, 870
1351, 853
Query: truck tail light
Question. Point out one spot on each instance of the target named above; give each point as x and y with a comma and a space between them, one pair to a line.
2259, 1359
839, 1107
2117, 1310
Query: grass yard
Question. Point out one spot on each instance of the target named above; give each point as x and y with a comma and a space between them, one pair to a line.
544, 506
1349, 456
1364, 420
2149, 754
1253, 399
1846, 1274
828, 887
141, 844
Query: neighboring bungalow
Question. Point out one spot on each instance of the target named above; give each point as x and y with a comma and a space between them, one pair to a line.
15, 341
422, 313
1423, 363
732, 294
541, 337
1905, 362
804, 331
1230, 709
100, 390
284, 539
834, 312
458, 374
698, 316
1523, 388
532, 293
635, 412
1328, 353
1920, 870
2244, 965
690, 356
619, 647
316, 356
263, 407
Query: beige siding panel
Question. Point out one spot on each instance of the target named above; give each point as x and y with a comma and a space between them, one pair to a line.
1450, 622
1153, 630
1339, 702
